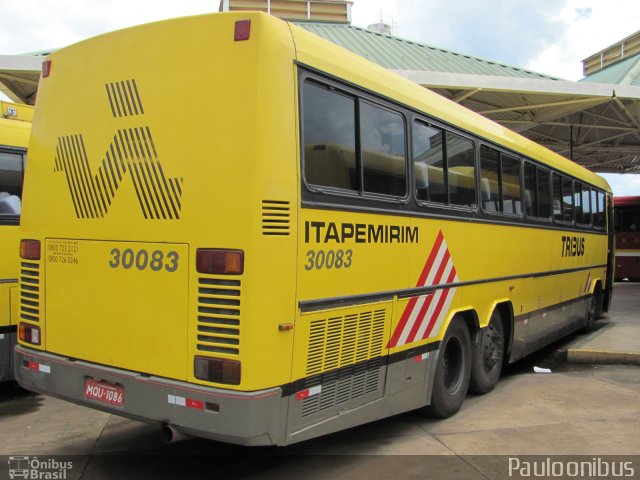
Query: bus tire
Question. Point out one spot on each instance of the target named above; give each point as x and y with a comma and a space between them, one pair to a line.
594, 310
488, 356
451, 378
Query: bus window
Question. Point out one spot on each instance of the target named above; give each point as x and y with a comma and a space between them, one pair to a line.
382, 135
567, 200
490, 179
500, 182
328, 129
557, 198
428, 157
627, 218
461, 171
11, 174
586, 205
544, 193
599, 220
530, 191
511, 200
582, 205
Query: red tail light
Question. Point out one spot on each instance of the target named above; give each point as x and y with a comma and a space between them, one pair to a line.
46, 68
217, 370
30, 249
220, 261
242, 30
29, 333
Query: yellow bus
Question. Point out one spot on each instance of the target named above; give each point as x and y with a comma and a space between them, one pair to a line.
15, 125
255, 236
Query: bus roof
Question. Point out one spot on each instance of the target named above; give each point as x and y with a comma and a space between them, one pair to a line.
15, 124
321, 54
17, 111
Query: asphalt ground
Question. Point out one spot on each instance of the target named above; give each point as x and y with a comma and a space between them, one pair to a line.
577, 415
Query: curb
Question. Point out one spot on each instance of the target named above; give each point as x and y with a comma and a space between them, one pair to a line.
603, 357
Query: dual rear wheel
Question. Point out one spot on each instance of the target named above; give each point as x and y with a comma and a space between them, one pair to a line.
466, 365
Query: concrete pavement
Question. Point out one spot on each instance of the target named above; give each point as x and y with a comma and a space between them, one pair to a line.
617, 337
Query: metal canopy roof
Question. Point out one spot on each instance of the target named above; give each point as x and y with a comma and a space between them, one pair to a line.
595, 124
19, 75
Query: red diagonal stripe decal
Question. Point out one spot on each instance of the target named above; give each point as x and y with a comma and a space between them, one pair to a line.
425, 306
430, 260
443, 299
422, 280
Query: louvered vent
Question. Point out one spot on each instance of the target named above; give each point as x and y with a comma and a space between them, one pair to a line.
219, 315
30, 291
340, 341
276, 218
344, 385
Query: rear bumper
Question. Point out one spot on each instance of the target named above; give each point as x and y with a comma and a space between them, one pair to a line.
244, 418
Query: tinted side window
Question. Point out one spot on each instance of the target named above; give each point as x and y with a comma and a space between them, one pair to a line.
329, 138
511, 201
627, 218
586, 205
582, 204
557, 197
530, 190
461, 172
382, 135
599, 220
567, 200
428, 166
544, 193
490, 179
11, 176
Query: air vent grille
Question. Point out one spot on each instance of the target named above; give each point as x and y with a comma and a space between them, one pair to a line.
344, 385
218, 326
276, 218
336, 342
30, 291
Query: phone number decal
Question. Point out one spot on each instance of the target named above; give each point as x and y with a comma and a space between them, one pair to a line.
63, 252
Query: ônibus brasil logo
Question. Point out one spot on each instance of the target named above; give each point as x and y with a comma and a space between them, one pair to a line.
36, 469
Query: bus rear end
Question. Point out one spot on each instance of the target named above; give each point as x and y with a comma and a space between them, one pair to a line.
15, 125
159, 205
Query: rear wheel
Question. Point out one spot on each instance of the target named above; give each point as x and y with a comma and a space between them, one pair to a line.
488, 354
451, 379
594, 311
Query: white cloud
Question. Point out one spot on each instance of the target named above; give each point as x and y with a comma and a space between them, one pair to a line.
588, 27
367, 12
623, 184
32, 25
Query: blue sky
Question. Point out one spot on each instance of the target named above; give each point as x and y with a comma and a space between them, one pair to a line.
549, 36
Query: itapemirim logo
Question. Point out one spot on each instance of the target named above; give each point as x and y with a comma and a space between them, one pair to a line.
37, 469
132, 153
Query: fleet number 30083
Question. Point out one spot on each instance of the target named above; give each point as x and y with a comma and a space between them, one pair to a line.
328, 259
156, 260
